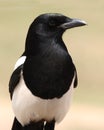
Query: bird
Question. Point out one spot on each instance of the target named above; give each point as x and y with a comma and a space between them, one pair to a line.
44, 76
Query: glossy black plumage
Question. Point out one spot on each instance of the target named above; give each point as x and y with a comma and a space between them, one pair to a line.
48, 69
50, 72
14, 80
48, 62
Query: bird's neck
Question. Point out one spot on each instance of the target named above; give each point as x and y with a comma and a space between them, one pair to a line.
35, 44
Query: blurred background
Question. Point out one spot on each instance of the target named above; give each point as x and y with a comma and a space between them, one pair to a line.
85, 44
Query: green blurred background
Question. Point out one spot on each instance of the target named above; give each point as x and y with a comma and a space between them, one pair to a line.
85, 44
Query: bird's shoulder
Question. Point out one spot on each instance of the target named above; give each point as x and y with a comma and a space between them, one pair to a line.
16, 75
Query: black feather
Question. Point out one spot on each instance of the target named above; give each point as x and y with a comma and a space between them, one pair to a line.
49, 125
76, 78
31, 126
49, 75
14, 80
16, 125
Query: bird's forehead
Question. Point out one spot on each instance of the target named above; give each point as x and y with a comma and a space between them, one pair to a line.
50, 15
54, 15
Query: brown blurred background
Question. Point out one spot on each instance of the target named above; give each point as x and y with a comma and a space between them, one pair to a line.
85, 44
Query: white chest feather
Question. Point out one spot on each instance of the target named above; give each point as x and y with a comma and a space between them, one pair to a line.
28, 107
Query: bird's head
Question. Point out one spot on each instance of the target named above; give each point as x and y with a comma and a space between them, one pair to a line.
50, 25
53, 23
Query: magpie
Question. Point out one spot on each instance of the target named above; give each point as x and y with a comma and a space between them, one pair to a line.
44, 76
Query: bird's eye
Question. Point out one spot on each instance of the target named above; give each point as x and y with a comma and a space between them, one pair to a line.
52, 23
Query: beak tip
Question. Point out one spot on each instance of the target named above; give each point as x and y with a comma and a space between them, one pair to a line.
84, 22
80, 22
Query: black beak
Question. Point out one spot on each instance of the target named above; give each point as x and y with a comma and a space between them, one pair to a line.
71, 23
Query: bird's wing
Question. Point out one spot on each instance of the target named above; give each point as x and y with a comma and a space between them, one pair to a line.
76, 79
15, 77
14, 80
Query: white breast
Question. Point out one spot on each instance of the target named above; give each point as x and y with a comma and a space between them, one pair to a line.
28, 107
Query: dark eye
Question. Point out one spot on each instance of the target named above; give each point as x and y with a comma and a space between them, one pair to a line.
52, 23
